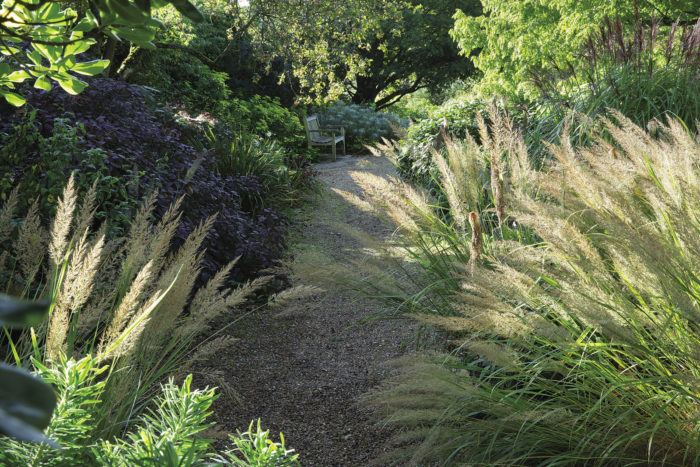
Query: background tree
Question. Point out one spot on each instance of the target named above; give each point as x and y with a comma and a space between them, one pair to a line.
320, 41
516, 37
412, 53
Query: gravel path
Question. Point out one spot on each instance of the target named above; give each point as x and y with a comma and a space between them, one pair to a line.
304, 368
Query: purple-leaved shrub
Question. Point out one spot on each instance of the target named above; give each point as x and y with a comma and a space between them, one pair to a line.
145, 151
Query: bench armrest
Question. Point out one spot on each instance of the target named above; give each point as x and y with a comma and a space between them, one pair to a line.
333, 131
334, 128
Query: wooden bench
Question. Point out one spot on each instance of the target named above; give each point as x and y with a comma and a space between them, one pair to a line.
326, 136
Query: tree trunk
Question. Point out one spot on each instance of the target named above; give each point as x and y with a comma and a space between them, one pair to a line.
109, 54
366, 92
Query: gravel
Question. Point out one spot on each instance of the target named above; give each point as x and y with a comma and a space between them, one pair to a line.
303, 369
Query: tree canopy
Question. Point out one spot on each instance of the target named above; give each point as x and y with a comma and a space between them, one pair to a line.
320, 40
513, 38
412, 53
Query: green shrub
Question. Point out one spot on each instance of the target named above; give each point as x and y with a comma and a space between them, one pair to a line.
182, 80
78, 390
416, 106
255, 448
362, 124
263, 116
245, 154
415, 160
168, 434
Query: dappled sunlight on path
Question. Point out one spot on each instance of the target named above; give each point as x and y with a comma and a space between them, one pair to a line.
303, 368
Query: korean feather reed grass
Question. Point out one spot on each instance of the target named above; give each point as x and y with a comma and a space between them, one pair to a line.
127, 303
576, 341
442, 236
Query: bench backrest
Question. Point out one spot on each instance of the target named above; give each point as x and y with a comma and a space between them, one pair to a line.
311, 126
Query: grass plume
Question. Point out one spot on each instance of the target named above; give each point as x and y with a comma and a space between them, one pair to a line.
577, 342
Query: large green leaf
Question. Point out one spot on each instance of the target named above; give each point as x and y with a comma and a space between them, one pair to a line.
12, 98
69, 84
18, 76
16, 313
90, 68
127, 11
141, 36
43, 82
188, 10
26, 405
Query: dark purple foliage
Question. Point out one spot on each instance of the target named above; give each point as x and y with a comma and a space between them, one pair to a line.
118, 120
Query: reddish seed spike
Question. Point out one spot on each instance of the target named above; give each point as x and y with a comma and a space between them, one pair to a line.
477, 241
497, 189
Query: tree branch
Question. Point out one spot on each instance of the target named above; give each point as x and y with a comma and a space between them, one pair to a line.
396, 96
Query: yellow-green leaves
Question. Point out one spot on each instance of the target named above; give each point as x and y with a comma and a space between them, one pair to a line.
57, 37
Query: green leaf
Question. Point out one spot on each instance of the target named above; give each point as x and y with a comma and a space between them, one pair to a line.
51, 52
127, 11
90, 68
5, 69
42, 82
86, 24
79, 47
140, 36
35, 57
187, 10
12, 98
26, 405
18, 76
69, 84
21, 313
9, 50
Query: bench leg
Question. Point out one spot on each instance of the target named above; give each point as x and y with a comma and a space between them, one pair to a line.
334, 145
344, 153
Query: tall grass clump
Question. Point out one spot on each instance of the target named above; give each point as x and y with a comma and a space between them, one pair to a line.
576, 338
243, 154
130, 304
645, 71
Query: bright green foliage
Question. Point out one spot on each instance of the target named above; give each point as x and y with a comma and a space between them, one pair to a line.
168, 435
78, 390
256, 448
265, 117
193, 76
58, 34
515, 38
320, 40
415, 106
58, 37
